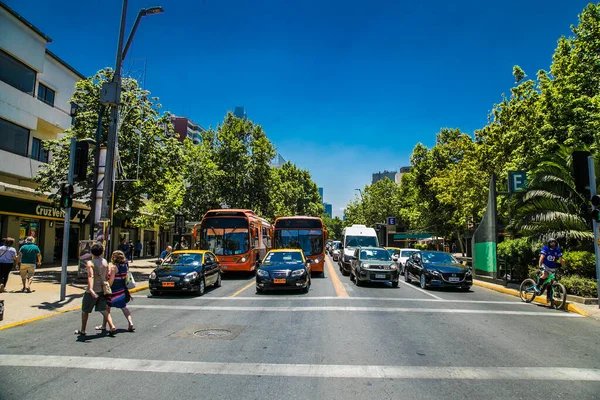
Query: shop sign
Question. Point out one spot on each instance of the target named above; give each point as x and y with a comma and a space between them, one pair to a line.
47, 211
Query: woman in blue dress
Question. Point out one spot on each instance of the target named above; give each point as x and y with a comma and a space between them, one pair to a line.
117, 276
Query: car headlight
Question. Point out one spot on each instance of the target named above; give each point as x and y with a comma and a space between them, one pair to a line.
365, 266
468, 272
191, 276
434, 272
242, 260
262, 272
298, 272
153, 275
393, 266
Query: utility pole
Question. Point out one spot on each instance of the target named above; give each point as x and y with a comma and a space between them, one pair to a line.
94, 217
593, 192
67, 227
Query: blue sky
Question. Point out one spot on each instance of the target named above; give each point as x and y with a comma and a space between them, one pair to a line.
343, 88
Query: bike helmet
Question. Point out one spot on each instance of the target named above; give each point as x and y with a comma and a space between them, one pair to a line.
552, 240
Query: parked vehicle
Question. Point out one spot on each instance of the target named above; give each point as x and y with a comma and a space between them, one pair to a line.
373, 264
186, 271
283, 269
353, 237
437, 268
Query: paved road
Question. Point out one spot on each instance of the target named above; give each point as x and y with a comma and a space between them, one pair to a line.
338, 341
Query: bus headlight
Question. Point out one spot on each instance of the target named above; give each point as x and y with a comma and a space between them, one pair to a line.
242, 260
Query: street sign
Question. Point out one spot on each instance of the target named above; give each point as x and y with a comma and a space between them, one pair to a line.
517, 181
391, 221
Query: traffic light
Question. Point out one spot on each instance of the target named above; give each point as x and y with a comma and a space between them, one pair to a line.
66, 195
581, 171
596, 208
81, 161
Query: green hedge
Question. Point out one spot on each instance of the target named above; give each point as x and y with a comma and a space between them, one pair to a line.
580, 286
518, 254
582, 263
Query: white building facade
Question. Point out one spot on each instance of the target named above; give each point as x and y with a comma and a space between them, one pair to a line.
35, 90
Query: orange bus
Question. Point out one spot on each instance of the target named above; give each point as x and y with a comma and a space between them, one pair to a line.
238, 237
306, 233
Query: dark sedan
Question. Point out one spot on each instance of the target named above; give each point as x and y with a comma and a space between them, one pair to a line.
437, 269
283, 270
186, 271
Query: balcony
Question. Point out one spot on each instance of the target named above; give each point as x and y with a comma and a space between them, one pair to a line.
25, 110
17, 165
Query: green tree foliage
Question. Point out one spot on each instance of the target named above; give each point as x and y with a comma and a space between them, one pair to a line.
380, 201
334, 226
141, 125
294, 193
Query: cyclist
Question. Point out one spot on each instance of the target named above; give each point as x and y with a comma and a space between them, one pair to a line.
550, 255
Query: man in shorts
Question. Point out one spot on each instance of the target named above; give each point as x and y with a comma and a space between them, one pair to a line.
94, 297
30, 257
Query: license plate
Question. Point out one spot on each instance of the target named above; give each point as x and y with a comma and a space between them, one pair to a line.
379, 276
168, 284
454, 279
278, 280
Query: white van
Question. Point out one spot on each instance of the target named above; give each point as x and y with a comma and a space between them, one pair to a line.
352, 237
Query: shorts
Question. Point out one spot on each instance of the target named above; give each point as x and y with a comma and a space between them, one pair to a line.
89, 303
548, 269
27, 270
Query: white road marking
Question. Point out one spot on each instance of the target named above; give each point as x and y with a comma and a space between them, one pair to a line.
303, 370
384, 299
420, 290
355, 309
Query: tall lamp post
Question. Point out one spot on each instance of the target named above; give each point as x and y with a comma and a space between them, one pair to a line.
111, 95
360, 191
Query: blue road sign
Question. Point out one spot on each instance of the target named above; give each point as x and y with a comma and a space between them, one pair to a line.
391, 221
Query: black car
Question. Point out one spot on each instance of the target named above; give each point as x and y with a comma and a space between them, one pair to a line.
437, 269
373, 264
186, 271
283, 270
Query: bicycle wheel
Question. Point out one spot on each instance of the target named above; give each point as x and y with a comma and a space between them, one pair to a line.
559, 295
527, 290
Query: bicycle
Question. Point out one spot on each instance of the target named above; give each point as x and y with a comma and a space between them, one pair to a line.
527, 290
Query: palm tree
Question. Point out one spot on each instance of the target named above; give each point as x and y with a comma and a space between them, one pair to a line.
552, 206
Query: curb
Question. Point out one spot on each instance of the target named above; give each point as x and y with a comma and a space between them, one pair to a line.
52, 314
569, 307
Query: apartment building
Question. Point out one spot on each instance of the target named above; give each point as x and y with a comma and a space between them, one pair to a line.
185, 127
35, 88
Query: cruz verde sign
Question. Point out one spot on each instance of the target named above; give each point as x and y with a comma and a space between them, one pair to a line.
52, 212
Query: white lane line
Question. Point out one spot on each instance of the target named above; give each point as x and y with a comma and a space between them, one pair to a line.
356, 309
383, 299
420, 290
303, 370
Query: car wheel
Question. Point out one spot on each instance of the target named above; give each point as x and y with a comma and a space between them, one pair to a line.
218, 281
466, 288
406, 277
344, 272
401, 270
155, 293
422, 281
201, 287
395, 284
357, 281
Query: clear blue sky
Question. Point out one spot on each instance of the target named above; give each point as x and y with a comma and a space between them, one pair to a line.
343, 88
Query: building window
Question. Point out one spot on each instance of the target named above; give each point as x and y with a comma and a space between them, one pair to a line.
46, 94
13, 138
37, 150
17, 74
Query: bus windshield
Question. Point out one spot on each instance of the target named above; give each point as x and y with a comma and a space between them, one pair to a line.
309, 240
225, 236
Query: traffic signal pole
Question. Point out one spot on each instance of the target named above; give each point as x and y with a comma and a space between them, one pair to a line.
65, 249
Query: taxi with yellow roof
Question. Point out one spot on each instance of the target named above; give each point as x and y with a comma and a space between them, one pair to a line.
283, 269
186, 271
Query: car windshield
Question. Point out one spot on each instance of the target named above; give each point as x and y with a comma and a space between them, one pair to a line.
184, 259
438, 258
309, 240
407, 253
363, 241
283, 257
375, 254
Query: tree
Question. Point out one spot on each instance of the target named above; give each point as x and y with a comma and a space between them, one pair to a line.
294, 193
334, 226
379, 201
141, 126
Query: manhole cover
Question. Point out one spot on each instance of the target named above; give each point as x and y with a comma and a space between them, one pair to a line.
212, 333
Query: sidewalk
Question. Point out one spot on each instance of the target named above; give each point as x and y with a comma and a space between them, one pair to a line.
44, 301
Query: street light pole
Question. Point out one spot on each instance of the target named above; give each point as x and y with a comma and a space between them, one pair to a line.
360, 191
109, 168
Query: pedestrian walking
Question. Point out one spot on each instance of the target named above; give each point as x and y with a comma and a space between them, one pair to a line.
94, 296
138, 249
8, 257
30, 257
130, 249
117, 273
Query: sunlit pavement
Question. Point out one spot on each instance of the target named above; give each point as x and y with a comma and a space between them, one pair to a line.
339, 341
